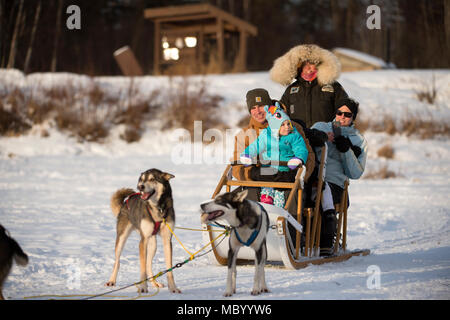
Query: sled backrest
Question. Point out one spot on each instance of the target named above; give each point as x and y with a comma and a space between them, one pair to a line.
311, 160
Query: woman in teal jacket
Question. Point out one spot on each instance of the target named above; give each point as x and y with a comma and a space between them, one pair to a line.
280, 141
346, 159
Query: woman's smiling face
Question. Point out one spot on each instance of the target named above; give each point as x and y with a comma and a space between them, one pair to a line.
342, 116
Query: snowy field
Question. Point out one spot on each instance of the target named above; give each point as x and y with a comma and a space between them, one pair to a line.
55, 194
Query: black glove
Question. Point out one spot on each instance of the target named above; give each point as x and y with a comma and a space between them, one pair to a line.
356, 150
316, 137
342, 143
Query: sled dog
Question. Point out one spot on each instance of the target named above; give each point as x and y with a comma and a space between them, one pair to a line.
249, 222
150, 212
9, 250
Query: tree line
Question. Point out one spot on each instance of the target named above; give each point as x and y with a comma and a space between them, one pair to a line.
34, 36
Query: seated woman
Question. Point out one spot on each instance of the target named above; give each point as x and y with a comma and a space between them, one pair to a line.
280, 141
346, 159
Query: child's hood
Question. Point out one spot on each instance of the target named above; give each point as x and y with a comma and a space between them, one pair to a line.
275, 117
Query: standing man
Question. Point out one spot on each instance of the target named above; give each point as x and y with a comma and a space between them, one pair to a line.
315, 94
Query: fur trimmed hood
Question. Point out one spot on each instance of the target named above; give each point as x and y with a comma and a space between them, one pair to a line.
284, 69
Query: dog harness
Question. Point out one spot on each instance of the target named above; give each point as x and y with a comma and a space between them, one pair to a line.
157, 223
250, 240
254, 233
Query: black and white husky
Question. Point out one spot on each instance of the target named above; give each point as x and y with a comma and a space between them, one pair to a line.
249, 222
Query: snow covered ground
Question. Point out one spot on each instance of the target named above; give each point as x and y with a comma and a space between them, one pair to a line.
55, 194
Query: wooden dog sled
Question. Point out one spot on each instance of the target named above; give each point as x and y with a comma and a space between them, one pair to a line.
280, 246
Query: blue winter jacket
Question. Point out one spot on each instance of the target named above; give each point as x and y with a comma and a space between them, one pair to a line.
273, 147
341, 166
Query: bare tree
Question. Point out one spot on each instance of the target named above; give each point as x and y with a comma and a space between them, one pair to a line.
2, 45
33, 33
58, 32
139, 25
447, 24
12, 51
247, 5
231, 7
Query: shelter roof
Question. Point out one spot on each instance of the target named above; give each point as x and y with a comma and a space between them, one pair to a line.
194, 12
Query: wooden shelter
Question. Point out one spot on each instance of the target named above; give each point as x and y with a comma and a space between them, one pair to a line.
198, 38
352, 60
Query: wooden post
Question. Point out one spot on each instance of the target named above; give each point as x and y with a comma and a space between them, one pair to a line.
293, 190
243, 51
220, 45
308, 231
299, 220
127, 62
201, 51
157, 48
338, 232
240, 61
318, 196
317, 243
222, 181
344, 232
341, 208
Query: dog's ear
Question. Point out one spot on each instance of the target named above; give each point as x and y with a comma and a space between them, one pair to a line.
168, 176
240, 196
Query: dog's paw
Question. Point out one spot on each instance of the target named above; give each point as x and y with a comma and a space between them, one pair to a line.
174, 290
110, 284
258, 292
142, 287
265, 290
142, 290
255, 292
229, 293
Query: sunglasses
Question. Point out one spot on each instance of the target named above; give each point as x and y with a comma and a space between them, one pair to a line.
346, 114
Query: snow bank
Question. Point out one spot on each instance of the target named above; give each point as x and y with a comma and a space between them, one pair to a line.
380, 93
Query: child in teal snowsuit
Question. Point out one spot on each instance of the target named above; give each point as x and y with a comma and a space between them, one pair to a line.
280, 141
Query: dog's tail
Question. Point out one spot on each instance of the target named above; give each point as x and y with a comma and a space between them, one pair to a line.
117, 199
20, 257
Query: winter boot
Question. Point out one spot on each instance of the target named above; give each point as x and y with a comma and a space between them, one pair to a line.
278, 200
266, 199
267, 195
328, 232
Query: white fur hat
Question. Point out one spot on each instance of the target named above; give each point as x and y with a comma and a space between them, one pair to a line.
284, 69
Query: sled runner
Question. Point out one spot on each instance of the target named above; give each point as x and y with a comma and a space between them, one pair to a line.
284, 243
